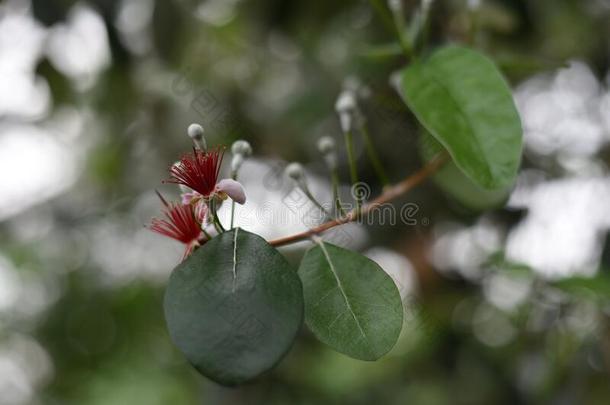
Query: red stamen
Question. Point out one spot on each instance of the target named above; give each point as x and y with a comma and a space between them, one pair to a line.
198, 171
180, 223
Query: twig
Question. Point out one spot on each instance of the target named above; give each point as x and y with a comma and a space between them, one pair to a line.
390, 193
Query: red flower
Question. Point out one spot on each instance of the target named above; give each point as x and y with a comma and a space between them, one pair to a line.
198, 171
181, 223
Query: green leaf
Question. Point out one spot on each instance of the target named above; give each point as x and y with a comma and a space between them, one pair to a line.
234, 307
462, 99
455, 183
351, 304
597, 286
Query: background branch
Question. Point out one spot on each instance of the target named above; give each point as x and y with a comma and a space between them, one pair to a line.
389, 194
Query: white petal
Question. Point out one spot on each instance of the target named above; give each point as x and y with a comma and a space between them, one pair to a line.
233, 189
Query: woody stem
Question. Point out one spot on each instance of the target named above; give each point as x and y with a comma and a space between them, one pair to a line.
390, 193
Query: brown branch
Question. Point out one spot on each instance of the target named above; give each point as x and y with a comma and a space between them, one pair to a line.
389, 194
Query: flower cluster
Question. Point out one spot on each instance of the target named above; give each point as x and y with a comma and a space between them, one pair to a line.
197, 173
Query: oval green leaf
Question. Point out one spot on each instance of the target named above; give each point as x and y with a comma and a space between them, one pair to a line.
351, 304
462, 99
234, 307
455, 183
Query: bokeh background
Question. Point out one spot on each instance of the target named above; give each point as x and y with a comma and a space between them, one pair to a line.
506, 294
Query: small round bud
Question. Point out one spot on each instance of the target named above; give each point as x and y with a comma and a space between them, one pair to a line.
346, 102
195, 132
326, 145
295, 171
236, 162
241, 147
426, 4
347, 108
395, 5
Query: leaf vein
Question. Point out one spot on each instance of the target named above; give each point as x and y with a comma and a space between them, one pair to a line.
340, 286
235, 259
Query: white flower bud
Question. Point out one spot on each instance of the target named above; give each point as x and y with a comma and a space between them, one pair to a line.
395, 5
347, 108
326, 145
426, 4
236, 162
474, 4
295, 171
195, 131
241, 147
346, 102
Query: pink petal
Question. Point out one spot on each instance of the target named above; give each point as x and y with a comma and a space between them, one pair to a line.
188, 197
201, 212
233, 189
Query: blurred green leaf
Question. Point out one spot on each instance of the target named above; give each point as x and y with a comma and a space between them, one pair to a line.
498, 262
462, 99
351, 304
597, 286
234, 307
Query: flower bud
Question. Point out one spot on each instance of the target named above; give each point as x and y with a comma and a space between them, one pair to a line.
295, 171
346, 108
241, 147
395, 5
326, 145
426, 4
195, 132
236, 162
346, 102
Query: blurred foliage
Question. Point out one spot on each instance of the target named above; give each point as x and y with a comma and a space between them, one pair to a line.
269, 71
